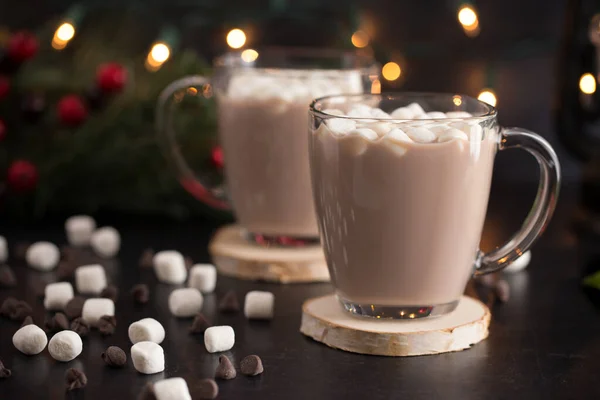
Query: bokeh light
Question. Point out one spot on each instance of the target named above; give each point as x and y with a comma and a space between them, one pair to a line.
467, 16
360, 39
391, 71
487, 96
249, 55
65, 32
236, 38
587, 83
160, 53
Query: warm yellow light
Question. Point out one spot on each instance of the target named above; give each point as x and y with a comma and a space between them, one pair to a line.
160, 53
411, 315
65, 32
360, 39
487, 96
192, 91
467, 16
587, 83
376, 86
391, 71
58, 44
236, 38
249, 55
457, 100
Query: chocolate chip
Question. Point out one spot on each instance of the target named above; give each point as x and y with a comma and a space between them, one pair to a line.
20, 311
75, 379
114, 357
21, 250
65, 270
502, 290
225, 369
8, 305
80, 327
251, 365
67, 252
229, 303
146, 258
110, 292
4, 372
147, 392
487, 280
207, 389
7, 277
74, 306
140, 293
27, 321
200, 324
188, 262
58, 322
107, 324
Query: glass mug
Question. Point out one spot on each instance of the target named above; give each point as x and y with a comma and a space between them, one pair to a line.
262, 100
401, 202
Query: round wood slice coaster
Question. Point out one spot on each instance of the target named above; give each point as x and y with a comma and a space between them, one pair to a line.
235, 256
324, 320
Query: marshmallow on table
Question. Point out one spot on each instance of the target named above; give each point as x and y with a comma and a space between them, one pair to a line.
42, 256
90, 279
106, 242
57, 295
146, 330
520, 263
219, 338
172, 389
3, 249
169, 267
30, 339
203, 277
259, 305
185, 302
148, 357
79, 229
65, 346
94, 309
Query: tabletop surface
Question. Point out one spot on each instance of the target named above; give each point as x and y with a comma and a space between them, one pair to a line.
543, 343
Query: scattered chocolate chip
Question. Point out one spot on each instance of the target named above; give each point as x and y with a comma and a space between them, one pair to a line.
110, 292
67, 252
502, 290
251, 365
188, 262
20, 311
147, 392
8, 306
58, 322
74, 307
225, 370
200, 324
140, 293
107, 324
207, 389
27, 321
21, 250
4, 372
7, 277
146, 258
65, 270
80, 327
114, 357
229, 303
75, 379
488, 280
38, 288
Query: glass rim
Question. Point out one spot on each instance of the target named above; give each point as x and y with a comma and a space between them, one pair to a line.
492, 112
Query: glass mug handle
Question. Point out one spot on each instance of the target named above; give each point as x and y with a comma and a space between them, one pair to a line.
212, 196
543, 205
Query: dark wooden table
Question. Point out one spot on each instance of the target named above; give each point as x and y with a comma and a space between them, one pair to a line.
544, 343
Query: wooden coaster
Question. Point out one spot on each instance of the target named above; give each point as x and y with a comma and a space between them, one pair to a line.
324, 320
235, 256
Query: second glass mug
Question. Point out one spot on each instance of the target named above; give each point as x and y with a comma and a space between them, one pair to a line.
261, 116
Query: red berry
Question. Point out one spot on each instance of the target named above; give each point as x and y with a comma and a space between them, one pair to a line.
216, 157
111, 77
22, 176
22, 46
2, 130
71, 110
4, 87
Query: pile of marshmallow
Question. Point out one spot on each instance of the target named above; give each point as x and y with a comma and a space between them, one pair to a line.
410, 124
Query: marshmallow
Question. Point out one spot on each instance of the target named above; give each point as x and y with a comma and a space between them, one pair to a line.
79, 229
341, 126
398, 135
94, 309
30, 340
148, 357
172, 389
185, 303
473, 130
416, 109
203, 277
452, 133
146, 330
354, 145
3, 249
366, 133
90, 279
380, 128
334, 111
359, 113
169, 267
219, 338
421, 135
436, 115
259, 305
520, 263
65, 346
106, 242
42, 256
403, 113
380, 114
57, 295
458, 114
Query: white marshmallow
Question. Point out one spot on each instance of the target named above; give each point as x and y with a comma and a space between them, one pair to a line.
169, 267
57, 295
380, 128
402, 113
520, 263
359, 113
380, 114
42, 256
148, 357
106, 242
65, 346
366, 133
94, 309
362, 108
334, 111
259, 305
172, 389
438, 129
452, 133
473, 130
219, 338
416, 109
421, 135
398, 135
3, 249
90, 279
186, 302
79, 229
355, 145
203, 277
436, 115
30, 340
146, 330
341, 126
458, 114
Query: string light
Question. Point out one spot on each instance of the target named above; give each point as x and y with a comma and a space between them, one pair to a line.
587, 83
457, 100
236, 38
487, 96
391, 71
467, 16
159, 53
64, 33
249, 55
360, 39
376, 86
